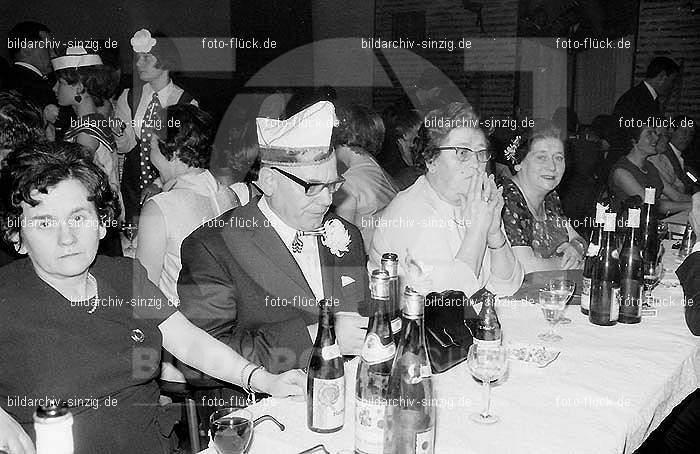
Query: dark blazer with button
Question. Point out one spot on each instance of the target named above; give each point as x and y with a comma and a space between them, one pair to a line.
636, 103
689, 275
240, 283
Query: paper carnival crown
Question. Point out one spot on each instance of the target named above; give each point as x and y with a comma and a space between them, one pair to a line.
303, 139
75, 57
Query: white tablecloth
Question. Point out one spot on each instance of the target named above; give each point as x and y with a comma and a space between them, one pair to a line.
608, 389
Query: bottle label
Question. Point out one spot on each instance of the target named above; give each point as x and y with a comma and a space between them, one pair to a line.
586, 293
396, 325
415, 373
374, 352
649, 195
54, 435
614, 303
369, 427
424, 441
610, 222
328, 403
593, 250
633, 217
600, 210
330, 351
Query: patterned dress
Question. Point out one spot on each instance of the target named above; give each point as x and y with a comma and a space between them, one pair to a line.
543, 236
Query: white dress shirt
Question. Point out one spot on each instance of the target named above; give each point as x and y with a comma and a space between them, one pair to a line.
308, 259
677, 152
654, 95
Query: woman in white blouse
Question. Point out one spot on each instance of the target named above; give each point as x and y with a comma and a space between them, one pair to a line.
448, 223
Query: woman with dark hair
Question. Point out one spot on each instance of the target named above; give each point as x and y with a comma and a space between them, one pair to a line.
86, 329
367, 188
447, 225
142, 114
541, 235
244, 162
633, 172
85, 84
191, 195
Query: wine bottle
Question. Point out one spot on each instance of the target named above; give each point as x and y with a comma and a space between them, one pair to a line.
373, 372
410, 413
591, 254
688, 241
325, 394
605, 281
648, 234
488, 328
631, 272
390, 264
53, 425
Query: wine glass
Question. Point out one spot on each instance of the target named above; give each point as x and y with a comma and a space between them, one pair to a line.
231, 430
487, 364
130, 230
652, 275
553, 298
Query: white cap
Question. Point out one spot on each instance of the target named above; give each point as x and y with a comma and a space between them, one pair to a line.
75, 57
303, 139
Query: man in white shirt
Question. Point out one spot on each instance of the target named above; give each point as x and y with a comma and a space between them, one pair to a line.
670, 162
252, 277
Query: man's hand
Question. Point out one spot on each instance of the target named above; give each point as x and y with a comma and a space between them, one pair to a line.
13, 438
350, 330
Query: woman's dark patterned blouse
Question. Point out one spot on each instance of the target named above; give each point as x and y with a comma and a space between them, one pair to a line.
524, 230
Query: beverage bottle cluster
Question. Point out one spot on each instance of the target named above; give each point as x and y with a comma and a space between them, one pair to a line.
614, 272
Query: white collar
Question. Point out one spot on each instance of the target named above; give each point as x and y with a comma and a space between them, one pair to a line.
285, 232
651, 90
676, 151
163, 94
30, 67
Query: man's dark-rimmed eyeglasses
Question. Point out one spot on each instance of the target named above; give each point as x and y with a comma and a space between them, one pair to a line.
313, 188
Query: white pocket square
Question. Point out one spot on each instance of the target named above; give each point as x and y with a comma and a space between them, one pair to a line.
346, 280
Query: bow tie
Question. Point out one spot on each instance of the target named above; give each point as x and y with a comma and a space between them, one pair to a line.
298, 243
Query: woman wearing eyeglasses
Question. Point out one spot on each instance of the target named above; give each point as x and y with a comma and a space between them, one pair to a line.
446, 227
541, 236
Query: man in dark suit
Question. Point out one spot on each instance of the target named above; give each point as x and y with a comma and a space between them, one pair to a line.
252, 277
31, 48
641, 102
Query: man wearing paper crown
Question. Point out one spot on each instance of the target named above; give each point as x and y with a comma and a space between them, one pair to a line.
252, 277
142, 113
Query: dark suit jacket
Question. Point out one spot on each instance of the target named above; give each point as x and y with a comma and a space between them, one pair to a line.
689, 275
240, 283
31, 85
636, 103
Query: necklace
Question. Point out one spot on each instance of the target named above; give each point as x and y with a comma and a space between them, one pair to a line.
92, 299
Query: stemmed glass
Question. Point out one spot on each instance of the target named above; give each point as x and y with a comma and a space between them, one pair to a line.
130, 230
553, 298
652, 275
487, 364
231, 430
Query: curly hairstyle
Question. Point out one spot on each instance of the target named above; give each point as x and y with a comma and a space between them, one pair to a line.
190, 135
20, 120
244, 158
41, 166
542, 130
437, 125
358, 127
98, 81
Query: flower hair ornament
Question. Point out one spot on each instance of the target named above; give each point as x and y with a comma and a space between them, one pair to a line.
335, 237
142, 41
509, 152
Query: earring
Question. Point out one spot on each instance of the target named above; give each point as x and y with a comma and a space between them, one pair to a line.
78, 98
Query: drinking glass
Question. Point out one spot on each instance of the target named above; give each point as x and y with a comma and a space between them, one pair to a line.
553, 298
130, 230
231, 430
652, 275
487, 364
